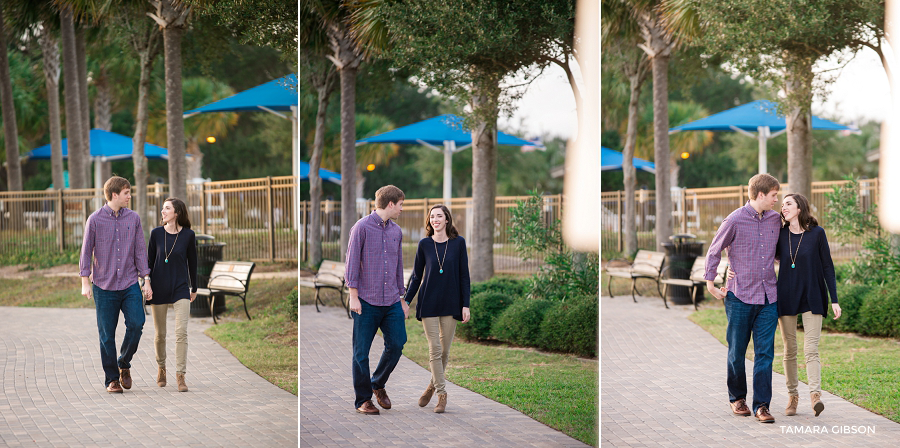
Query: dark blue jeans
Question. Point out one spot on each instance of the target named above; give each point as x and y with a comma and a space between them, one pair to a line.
391, 321
759, 321
108, 304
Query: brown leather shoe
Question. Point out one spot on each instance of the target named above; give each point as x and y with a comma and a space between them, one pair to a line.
125, 377
368, 408
793, 401
762, 414
739, 407
114, 388
161, 377
182, 386
426, 396
442, 404
817, 405
382, 398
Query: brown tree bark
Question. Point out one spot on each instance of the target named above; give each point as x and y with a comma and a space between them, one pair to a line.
103, 116
660, 65
484, 176
798, 86
77, 162
84, 103
324, 85
146, 43
637, 74
50, 55
10, 129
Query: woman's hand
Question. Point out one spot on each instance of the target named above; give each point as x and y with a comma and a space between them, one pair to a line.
193, 296
148, 292
837, 310
730, 273
465, 314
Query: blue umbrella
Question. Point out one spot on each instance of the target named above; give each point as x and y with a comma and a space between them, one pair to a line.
105, 146
277, 94
330, 176
612, 161
760, 116
446, 130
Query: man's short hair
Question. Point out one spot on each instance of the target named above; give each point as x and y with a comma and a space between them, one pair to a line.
763, 183
115, 185
388, 194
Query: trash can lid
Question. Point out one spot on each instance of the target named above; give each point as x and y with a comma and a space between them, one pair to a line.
207, 239
682, 236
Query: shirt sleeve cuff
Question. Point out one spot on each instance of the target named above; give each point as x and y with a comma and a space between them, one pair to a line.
353, 284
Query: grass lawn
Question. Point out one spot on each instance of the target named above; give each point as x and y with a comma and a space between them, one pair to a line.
862, 370
557, 390
267, 344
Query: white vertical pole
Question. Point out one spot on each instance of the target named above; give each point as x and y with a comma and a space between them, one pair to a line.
449, 147
763, 138
295, 166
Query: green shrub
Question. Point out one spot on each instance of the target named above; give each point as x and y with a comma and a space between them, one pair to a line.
520, 324
484, 307
879, 314
504, 285
293, 302
571, 326
851, 298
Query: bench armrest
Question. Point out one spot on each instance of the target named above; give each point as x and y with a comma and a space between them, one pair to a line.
231, 276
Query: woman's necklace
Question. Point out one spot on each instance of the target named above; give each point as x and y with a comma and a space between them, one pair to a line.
791, 248
166, 237
436, 254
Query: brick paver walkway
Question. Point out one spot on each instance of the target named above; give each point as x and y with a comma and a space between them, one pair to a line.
663, 384
327, 417
53, 392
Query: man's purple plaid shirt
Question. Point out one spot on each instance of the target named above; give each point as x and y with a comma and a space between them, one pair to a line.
118, 249
751, 253
375, 261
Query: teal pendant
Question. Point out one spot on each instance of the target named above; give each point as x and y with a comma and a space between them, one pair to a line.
442, 271
793, 266
167, 260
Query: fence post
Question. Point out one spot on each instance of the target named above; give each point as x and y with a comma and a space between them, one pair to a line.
620, 243
203, 207
304, 206
271, 218
684, 210
740, 196
60, 219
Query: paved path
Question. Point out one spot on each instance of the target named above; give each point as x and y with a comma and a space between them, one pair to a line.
53, 392
327, 416
663, 384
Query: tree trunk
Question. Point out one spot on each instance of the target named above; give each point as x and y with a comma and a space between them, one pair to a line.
660, 65
10, 130
348, 155
195, 164
147, 47
103, 116
50, 56
174, 112
84, 103
636, 82
77, 162
360, 183
798, 86
484, 177
315, 162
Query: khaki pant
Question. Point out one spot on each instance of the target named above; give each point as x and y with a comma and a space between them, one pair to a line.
812, 327
439, 332
182, 313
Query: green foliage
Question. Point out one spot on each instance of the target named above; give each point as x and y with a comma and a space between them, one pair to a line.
293, 303
851, 298
484, 307
520, 324
572, 326
512, 287
565, 273
40, 259
878, 261
879, 314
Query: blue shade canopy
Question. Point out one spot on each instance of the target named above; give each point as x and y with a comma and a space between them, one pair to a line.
330, 176
104, 144
749, 117
612, 161
278, 94
436, 131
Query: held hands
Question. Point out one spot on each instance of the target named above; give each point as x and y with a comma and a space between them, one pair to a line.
405, 308
837, 310
466, 315
148, 292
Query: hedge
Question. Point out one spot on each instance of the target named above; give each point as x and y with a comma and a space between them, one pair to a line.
484, 307
520, 324
572, 326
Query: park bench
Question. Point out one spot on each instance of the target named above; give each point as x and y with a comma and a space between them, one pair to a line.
230, 278
695, 278
647, 264
331, 276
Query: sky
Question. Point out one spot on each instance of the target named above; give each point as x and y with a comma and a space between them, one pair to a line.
860, 92
548, 107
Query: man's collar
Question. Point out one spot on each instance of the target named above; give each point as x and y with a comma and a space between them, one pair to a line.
752, 211
378, 219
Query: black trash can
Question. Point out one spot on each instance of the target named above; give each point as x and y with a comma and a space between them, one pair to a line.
208, 253
680, 256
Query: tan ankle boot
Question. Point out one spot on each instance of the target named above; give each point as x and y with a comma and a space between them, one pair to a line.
793, 401
161, 377
182, 387
426, 396
817, 405
442, 404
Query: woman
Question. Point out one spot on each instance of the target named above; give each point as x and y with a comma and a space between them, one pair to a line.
442, 269
806, 272
173, 280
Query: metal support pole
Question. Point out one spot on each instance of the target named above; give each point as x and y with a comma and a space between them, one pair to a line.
449, 148
620, 239
203, 206
763, 153
60, 219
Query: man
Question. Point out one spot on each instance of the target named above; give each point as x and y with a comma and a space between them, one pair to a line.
113, 255
375, 277
750, 234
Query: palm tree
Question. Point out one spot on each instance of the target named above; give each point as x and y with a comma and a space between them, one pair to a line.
78, 164
50, 55
13, 167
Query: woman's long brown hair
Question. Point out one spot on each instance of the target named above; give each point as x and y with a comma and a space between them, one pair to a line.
451, 229
805, 217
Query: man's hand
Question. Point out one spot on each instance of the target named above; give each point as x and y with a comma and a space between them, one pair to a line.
405, 308
837, 310
148, 291
86, 289
465, 314
718, 293
355, 306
